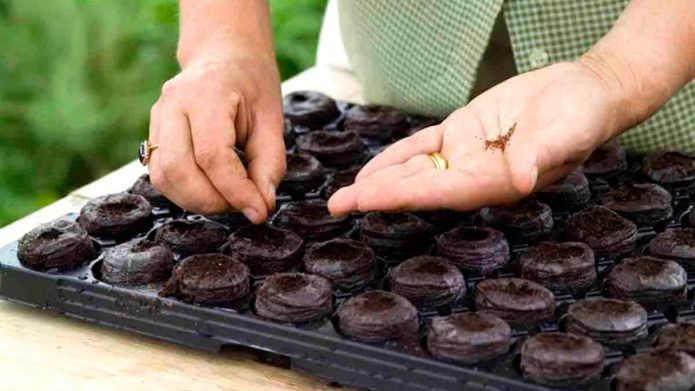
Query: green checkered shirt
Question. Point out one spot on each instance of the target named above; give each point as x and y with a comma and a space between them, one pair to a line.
424, 55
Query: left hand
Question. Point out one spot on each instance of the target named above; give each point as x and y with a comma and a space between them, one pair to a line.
562, 113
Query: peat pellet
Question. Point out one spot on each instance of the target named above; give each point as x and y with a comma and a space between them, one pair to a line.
468, 337
116, 215
310, 109
644, 204
61, 244
561, 359
417, 123
677, 336
377, 316
677, 244
143, 187
608, 159
189, 237
524, 221
606, 232
265, 249
232, 220
374, 149
427, 281
394, 225
443, 219
210, 279
570, 193
519, 302
137, 262
474, 249
332, 149
304, 174
347, 263
611, 322
340, 179
661, 369
671, 169
311, 220
294, 297
560, 266
649, 281
396, 235
375, 121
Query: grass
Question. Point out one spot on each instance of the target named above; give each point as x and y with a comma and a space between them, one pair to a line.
78, 77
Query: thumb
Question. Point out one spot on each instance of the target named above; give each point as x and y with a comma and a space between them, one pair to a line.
532, 155
265, 152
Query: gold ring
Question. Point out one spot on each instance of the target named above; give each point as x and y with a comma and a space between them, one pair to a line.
440, 162
145, 151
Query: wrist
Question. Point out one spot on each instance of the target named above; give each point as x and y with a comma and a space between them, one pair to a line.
221, 50
628, 97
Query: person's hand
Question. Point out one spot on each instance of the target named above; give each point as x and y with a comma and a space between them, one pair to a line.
216, 102
560, 114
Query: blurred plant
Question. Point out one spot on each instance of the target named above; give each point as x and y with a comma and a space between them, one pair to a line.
78, 77
296, 25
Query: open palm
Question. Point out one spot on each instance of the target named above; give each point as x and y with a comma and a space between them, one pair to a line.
559, 115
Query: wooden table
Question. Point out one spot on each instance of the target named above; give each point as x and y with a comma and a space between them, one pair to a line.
40, 350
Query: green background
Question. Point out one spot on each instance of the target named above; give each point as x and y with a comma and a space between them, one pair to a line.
78, 77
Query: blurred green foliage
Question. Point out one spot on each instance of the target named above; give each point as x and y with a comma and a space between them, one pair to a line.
78, 77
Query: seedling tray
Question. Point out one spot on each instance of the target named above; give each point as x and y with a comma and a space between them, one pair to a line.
316, 348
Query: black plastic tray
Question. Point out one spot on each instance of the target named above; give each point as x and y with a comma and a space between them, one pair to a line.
315, 348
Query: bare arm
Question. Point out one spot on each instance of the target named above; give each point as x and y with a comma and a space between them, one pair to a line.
647, 56
227, 95
238, 25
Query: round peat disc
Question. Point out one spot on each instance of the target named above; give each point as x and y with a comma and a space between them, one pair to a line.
116, 215
377, 316
61, 244
310, 108
294, 297
266, 249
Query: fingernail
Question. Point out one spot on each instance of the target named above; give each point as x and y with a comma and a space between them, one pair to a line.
250, 214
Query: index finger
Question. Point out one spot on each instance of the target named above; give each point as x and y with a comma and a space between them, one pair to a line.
428, 140
213, 134
475, 180
172, 167
464, 131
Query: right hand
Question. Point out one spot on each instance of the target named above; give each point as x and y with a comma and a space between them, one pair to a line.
560, 114
216, 102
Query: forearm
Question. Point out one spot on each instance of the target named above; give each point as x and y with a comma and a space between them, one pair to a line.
224, 26
647, 56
